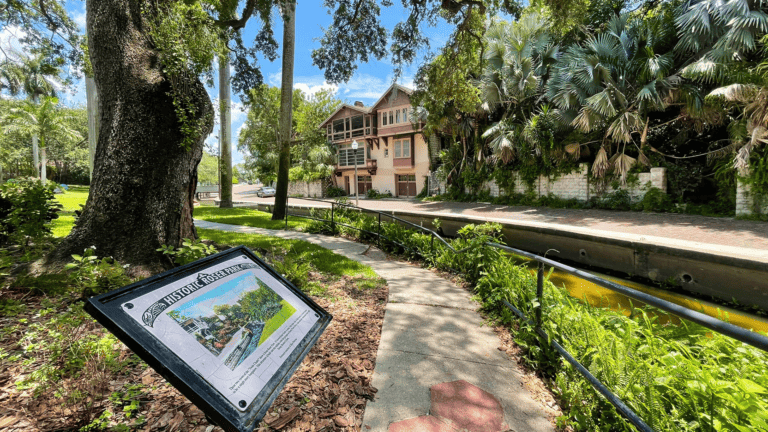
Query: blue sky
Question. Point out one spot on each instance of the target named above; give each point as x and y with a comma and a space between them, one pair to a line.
228, 293
367, 85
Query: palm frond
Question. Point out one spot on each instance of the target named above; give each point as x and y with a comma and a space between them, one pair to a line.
600, 166
624, 126
622, 163
743, 93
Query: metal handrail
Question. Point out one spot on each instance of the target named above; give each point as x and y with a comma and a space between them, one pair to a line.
749, 337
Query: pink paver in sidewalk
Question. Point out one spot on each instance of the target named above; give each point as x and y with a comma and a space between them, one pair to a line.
457, 406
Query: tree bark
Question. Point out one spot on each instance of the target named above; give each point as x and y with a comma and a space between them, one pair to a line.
143, 179
286, 107
44, 162
35, 151
225, 135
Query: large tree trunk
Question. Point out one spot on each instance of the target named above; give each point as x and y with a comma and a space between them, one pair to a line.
143, 179
225, 135
286, 102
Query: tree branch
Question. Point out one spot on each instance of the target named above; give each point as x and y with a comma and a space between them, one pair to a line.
236, 24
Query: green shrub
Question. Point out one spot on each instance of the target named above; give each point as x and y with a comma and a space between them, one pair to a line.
93, 275
190, 251
333, 192
374, 194
26, 208
655, 200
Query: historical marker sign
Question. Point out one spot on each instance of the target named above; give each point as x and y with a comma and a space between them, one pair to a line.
227, 331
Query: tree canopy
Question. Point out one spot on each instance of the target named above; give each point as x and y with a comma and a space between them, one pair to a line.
259, 137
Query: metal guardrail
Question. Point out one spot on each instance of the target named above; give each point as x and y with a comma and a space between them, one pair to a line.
751, 338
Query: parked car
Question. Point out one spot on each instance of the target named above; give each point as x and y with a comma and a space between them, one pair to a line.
265, 191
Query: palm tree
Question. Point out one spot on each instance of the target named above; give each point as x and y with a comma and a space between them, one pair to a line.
36, 78
611, 83
723, 40
45, 121
11, 77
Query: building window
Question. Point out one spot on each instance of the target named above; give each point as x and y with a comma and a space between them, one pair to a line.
347, 155
391, 118
403, 148
386, 153
405, 115
383, 119
397, 116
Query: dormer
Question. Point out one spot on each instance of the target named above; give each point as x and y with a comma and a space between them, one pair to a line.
393, 111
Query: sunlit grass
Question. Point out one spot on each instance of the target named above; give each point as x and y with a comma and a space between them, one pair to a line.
323, 259
70, 201
246, 217
73, 198
62, 226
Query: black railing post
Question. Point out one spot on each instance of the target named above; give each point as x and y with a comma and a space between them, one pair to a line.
333, 222
378, 238
286, 215
432, 243
539, 293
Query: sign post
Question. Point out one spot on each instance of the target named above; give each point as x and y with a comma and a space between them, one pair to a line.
357, 184
228, 331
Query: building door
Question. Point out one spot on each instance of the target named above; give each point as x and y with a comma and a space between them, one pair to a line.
364, 184
346, 184
406, 185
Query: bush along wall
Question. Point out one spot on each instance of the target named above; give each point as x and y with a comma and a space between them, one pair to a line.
677, 377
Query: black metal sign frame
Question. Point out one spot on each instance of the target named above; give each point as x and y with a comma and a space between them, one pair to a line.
107, 310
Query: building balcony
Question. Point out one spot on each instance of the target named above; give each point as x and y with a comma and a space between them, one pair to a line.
370, 166
360, 134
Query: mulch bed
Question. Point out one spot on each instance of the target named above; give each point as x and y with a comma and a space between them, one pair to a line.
328, 391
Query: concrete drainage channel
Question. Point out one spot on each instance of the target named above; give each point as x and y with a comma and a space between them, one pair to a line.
726, 273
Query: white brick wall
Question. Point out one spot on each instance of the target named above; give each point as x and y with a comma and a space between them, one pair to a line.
300, 188
747, 203
576, 185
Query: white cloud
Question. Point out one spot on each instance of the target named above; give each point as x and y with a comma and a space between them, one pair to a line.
9, 40
312, 89
79, 19
239, 113
367, 88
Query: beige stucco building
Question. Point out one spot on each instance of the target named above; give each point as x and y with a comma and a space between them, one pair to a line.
392, 154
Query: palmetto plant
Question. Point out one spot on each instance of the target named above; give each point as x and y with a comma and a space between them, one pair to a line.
724, 41
518, 58
609, 85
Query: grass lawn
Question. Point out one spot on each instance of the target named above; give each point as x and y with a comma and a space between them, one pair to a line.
70, 201
246, 217
322, 259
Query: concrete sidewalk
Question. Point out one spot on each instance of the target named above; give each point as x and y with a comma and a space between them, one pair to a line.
431, 334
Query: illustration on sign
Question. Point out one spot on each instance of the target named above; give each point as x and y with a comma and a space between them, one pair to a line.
234, 319
233, 323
